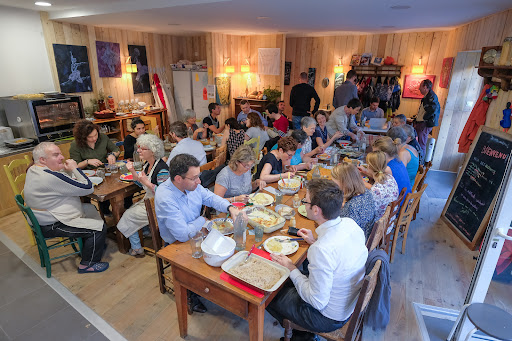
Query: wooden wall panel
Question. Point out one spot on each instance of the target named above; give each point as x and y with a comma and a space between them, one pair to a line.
162, 50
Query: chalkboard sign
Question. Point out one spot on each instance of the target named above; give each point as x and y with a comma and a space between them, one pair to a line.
470, 203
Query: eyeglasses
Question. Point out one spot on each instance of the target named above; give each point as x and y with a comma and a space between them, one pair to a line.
141, 148
290, 155
195, 178
245, 165
304, 202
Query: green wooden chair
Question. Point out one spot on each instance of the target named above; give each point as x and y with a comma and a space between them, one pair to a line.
42, 247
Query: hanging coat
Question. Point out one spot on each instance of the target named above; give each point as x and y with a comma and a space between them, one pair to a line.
475, 120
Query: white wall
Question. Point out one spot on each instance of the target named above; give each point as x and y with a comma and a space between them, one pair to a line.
24, 65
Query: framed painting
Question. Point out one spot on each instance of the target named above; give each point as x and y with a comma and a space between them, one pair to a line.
287, 72
412, 85
223, 87
73, 70
109, 60
140, 80
446, 72
339, 78
311, 76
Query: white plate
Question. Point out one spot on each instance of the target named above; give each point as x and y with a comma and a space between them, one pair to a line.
266, 199
96, 180
89, 172
288, 247
227, 231
208, 148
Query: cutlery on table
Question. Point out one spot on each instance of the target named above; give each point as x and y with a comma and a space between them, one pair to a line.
250, 252
290, 240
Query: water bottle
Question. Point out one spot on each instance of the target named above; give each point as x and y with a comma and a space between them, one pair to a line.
316, 173
240, 233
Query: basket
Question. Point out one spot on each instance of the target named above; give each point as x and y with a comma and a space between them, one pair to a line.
102, 116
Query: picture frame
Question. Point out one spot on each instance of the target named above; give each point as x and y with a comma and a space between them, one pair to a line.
356, 59
287, 72
412, 85
365, 59
446, 72
377, 61
311, 76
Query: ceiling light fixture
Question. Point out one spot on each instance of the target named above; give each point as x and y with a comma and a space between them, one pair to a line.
418, 68
262, 18
42, 3
400, 7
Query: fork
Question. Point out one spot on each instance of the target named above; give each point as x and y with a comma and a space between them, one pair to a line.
290, 240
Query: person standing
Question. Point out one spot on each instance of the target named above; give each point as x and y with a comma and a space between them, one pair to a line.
300, 100
346, 91
428, 113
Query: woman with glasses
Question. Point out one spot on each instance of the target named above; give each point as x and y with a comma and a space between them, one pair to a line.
154, 172
234, 182
270, 168
358, 202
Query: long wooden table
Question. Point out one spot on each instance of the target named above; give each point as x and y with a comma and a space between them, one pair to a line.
197, 276
115, 190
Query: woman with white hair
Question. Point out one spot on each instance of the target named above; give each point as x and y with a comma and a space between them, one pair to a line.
308, 125
154, 172
189, 116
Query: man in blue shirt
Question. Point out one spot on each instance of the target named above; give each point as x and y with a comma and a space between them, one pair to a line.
373, 111
346, 91
178, 203
246, 109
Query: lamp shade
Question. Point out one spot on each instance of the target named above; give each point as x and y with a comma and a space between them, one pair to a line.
338, 69
230, 69
131, 68
245, 68
418, 69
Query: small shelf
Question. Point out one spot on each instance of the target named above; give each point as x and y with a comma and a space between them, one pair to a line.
376, 70
489, 71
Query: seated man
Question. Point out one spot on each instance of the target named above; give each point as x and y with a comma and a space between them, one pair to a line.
373, 111
211, 122
246, 109
54, 198
323, 300
178, 203
280, 121
178, 131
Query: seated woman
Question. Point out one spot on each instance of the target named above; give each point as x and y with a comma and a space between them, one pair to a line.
407, 154
154, 172
233, 137
384, 188
395, 166
256, 129
308, 125
358, 202
270, 168
138, 128
91, 149
320, 137
190, 122
234, 182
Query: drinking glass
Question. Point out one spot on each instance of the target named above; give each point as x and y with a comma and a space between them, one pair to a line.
100, 172
258, 234
279, 197
114, 169
196, 238
107, 169
296, 201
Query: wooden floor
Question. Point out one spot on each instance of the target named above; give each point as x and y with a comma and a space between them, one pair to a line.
436, 270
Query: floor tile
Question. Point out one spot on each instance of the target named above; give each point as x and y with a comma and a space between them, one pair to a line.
67, 324
16, 279
3, 336
3, 248
27, 311
97, 337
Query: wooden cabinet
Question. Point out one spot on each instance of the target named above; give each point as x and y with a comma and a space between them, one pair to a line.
493, 72
256, 104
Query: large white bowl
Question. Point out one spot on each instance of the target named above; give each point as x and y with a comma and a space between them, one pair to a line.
217, 248
294, 186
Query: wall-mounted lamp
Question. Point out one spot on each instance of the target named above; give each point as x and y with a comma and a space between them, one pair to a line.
338, 68
228, 68
130, 68
418, 68
246, 67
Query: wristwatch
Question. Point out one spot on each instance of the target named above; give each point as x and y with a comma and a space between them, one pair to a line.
230, 207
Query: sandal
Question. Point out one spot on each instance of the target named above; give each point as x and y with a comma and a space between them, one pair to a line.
137, 253
97, 267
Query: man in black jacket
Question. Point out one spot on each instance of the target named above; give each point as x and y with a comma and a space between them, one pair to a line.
428, 113
300, 100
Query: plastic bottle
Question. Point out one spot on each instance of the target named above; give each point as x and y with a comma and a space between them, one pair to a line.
240, 231
316, 173
293, 223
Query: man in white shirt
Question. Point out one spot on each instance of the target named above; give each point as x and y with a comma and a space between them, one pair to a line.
186, 145
324, 300
343, 120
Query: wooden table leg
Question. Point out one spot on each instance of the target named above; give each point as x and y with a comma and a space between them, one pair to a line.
256, 319
117, 204
180, 295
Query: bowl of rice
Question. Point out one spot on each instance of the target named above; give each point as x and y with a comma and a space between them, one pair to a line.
289, 186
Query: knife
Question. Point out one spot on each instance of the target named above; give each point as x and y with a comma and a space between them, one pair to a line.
252, 249
290, 240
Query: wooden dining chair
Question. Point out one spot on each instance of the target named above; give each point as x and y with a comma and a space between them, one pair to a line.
353, 329
420, 183
16, 172
394, 208
208, 166
378, 231
404, 219
254, 143
164, 280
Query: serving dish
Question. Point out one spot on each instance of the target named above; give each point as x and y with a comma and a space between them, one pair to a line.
225, 230
260, 216
217, 248
240, 257
289, 186
285, 211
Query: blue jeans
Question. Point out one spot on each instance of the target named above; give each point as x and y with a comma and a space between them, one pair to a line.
135, 241
296, 121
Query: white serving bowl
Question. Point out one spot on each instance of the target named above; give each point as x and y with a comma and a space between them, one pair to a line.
292, 188
217, 248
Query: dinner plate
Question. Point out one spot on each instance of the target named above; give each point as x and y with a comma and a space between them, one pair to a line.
226, 231
323, 156
262, 199
96, 180
208, 148
287, 248
302, 211
89, 172
127, 176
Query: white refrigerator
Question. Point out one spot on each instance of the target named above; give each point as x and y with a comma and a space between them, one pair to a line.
190, 92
